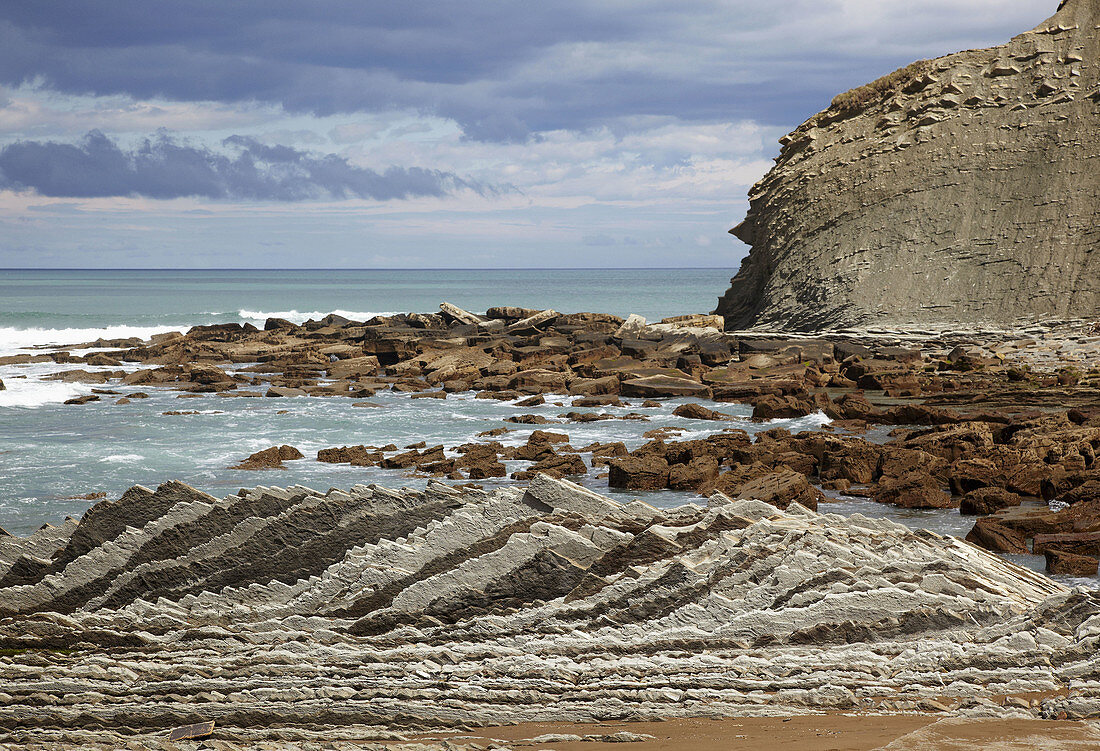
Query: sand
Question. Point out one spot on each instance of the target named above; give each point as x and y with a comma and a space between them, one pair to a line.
807, 733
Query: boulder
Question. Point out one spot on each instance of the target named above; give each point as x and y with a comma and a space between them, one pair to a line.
509, 313
483, 470
279, 324
778, 487
631, 327
915, 489
638, 473
850, 461
539, 320
850, 407
693, 411
989, 533
984, 501
455, 313
271, 458
553, 465
1070, 564
1080, 543
528, 420
359, 455
695, 475
284, 391
775, 407
664, 386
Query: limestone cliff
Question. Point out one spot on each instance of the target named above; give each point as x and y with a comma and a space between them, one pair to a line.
965, 188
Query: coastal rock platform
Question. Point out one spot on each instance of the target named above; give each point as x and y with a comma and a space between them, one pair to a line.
288, 614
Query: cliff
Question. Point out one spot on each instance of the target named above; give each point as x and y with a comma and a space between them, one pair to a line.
961, 189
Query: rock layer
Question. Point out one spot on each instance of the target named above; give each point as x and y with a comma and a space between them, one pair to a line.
277, 609
965, 188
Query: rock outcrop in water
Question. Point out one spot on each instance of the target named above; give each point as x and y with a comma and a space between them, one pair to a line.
965, 188
289, 614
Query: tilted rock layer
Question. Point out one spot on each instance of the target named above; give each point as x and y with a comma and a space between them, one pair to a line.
288, 610
965, 188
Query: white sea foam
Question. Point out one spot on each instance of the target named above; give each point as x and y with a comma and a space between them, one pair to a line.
799, 424
123, 458
16, 341
30, 392
295, 316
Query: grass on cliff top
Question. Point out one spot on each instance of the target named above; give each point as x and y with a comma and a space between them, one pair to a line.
880, 88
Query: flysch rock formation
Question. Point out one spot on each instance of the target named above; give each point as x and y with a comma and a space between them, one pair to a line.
962, 189
293, 615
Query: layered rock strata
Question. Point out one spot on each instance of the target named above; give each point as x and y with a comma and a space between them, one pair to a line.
965, 188
281, 611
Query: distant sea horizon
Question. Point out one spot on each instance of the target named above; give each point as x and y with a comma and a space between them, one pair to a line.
57, 306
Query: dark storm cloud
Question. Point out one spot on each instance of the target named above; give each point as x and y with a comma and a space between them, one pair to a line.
501, 69
165, 168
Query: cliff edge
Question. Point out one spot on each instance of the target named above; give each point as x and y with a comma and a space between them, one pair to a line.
961, 189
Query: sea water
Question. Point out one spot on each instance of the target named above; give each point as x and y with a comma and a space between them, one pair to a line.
51, 453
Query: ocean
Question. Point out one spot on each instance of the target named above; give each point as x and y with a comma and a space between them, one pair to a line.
52, 454
37, 304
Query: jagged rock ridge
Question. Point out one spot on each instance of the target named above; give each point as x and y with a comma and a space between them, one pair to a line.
965, 188
276, 609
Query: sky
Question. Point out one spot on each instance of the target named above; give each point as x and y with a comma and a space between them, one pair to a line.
424, 134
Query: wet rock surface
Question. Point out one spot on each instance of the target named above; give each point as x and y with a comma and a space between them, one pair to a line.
280, 611
991, 422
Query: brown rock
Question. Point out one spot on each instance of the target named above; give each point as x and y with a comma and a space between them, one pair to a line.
284, 391
348, 455
984, 501
486, 469
555, 466
608, 400
1071, 564
659, 385
695, 475
915, 489
991, 534
528, 419
850, 407
694, 411
547, 436
772, 407
638, 473
779, 487
538, 382
1080, 543
271, 458
850, 461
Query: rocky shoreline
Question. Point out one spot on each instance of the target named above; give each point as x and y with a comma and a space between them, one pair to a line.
289, 614
292, 615
997, 423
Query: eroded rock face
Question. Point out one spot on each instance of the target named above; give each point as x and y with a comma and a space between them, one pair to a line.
276, 609
965, 188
